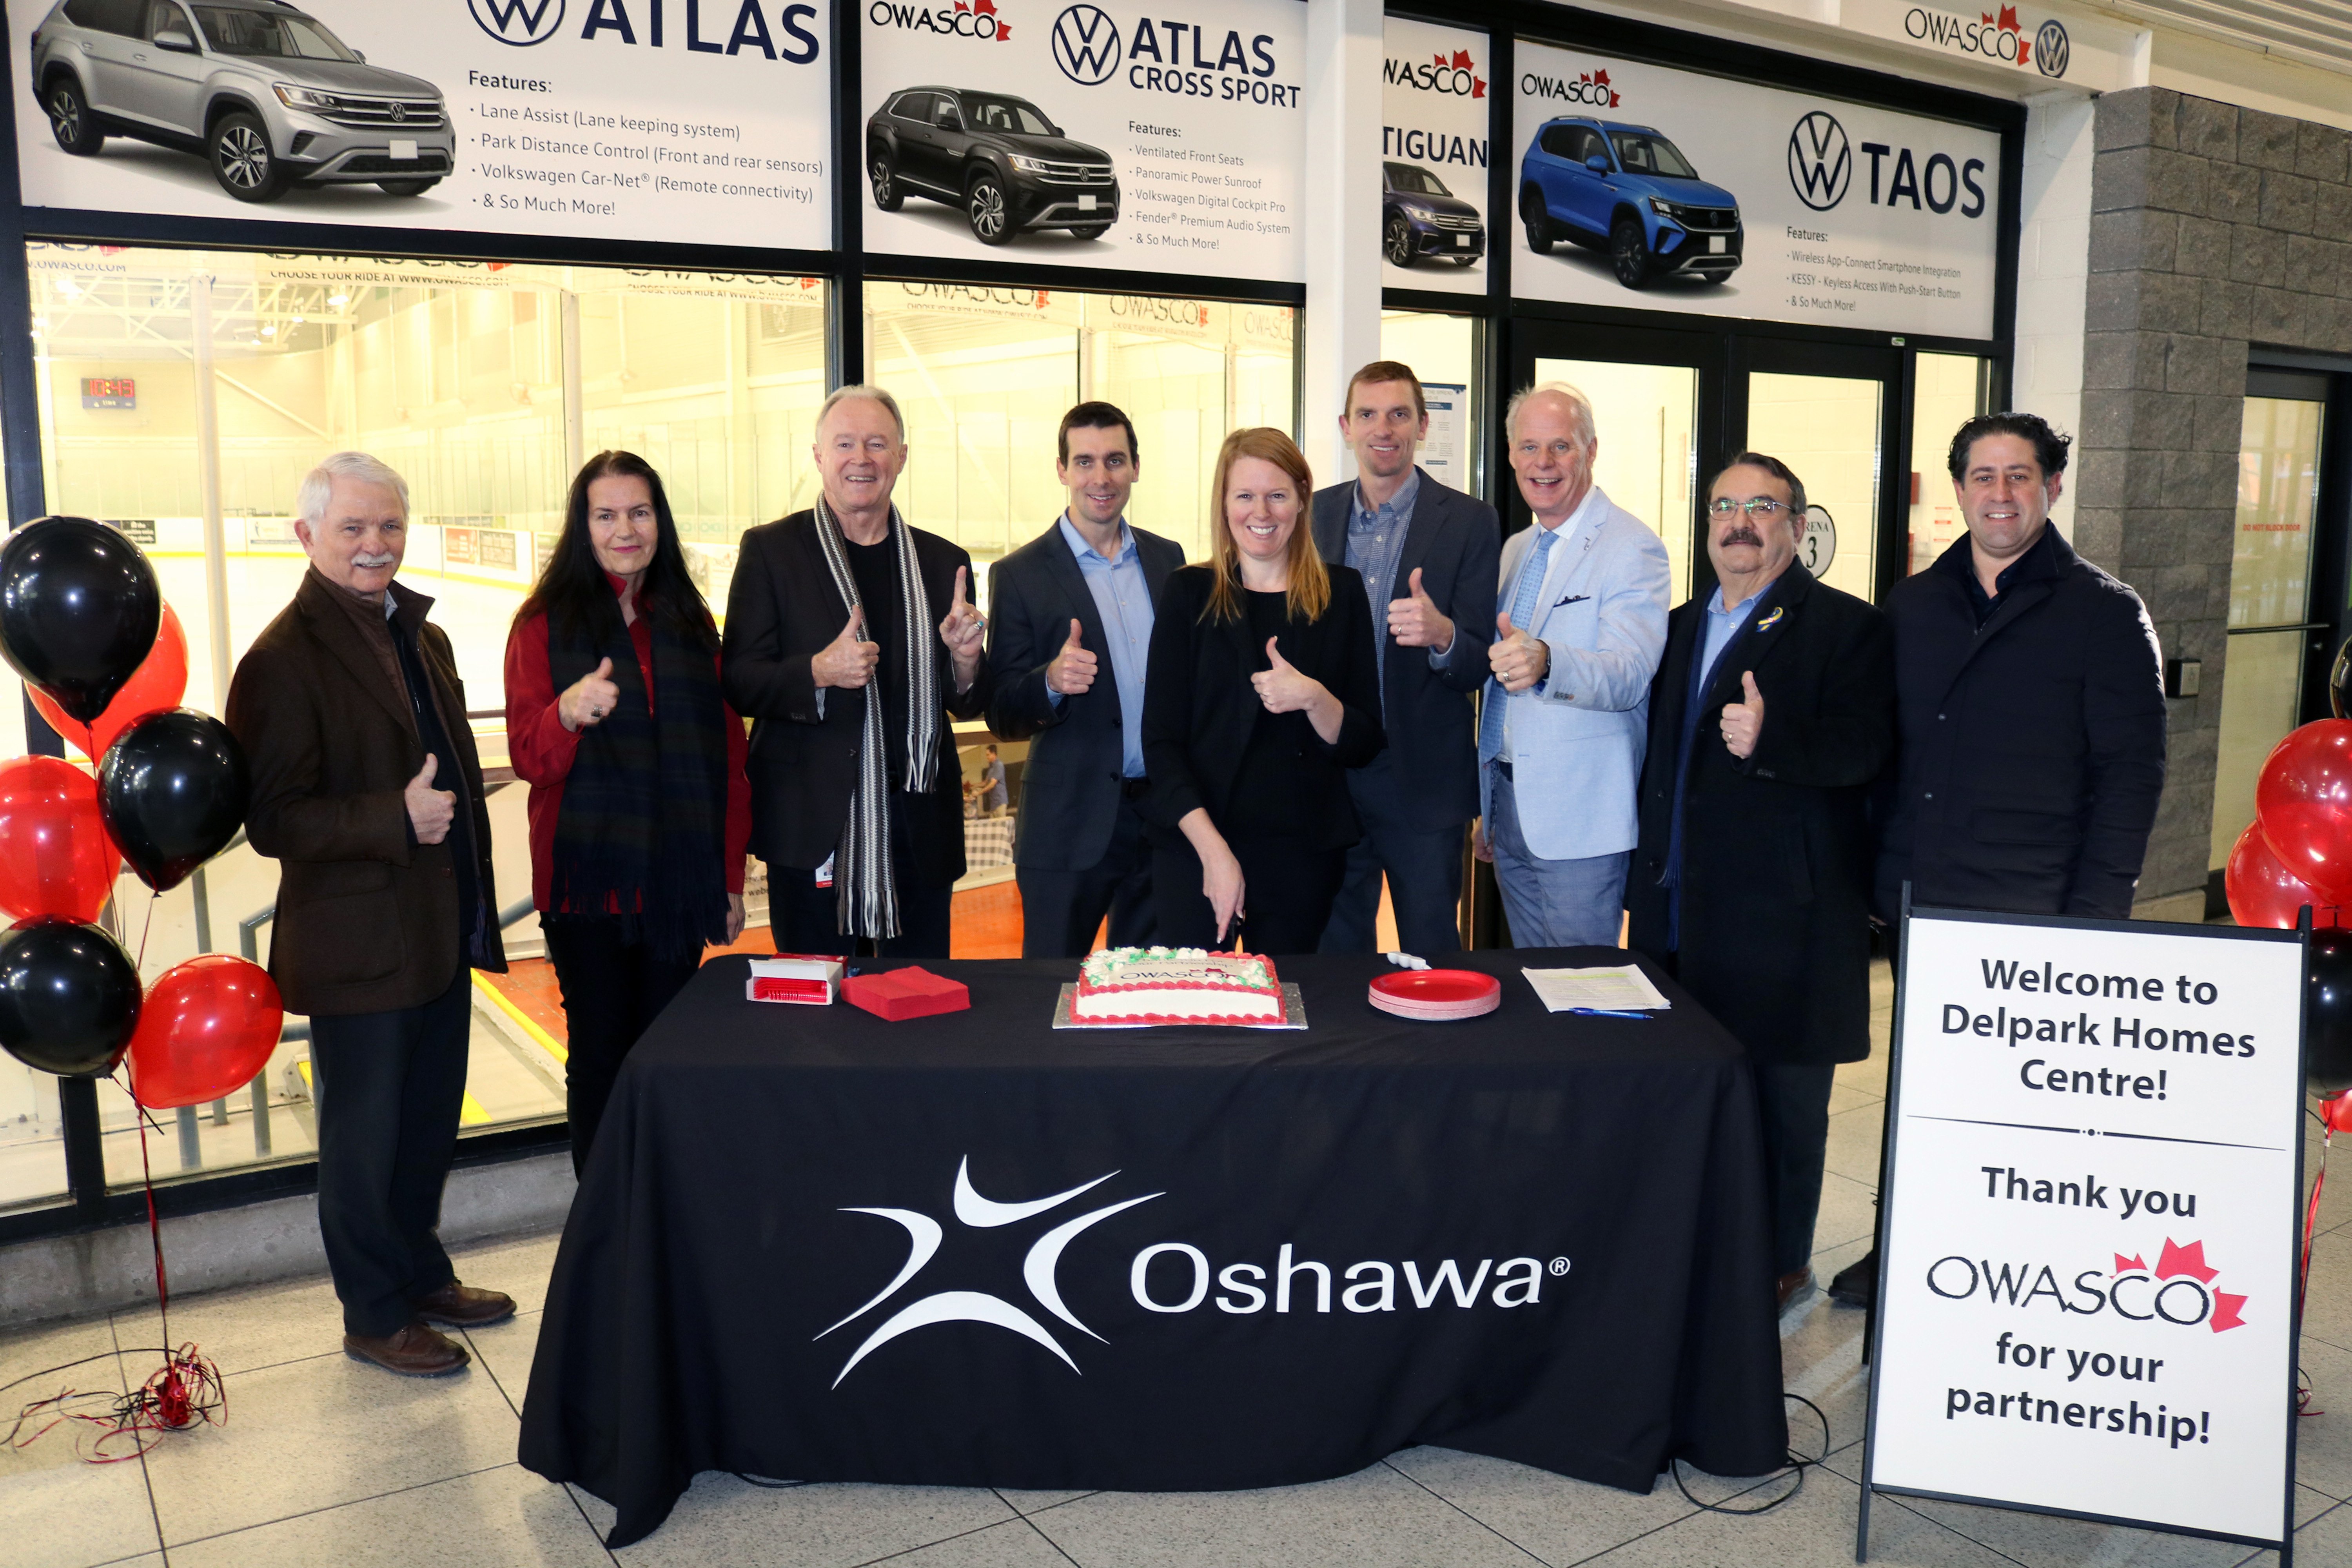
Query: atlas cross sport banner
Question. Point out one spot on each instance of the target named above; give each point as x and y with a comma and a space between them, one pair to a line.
1665, 190
648, 120
2087, 1287
1434, 108
1087, 135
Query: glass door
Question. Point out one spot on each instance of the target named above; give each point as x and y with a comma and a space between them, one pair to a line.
1829, 411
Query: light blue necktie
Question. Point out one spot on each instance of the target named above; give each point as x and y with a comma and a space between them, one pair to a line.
1523, 610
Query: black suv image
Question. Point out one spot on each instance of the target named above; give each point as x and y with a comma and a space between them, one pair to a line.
1419, 216
995, 156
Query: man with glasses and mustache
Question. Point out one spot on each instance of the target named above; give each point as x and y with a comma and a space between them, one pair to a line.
2030, 705
1772, 713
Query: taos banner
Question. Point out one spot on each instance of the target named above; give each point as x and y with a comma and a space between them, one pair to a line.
1660, 189
1087, 135
665, 120
1433, 118
2088, 1294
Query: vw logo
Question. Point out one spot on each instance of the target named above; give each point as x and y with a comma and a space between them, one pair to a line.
2051, 48
1820, 164
1086, 45
399, 112
518, 22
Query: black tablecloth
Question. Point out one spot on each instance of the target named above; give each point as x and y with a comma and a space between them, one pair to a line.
765, 1175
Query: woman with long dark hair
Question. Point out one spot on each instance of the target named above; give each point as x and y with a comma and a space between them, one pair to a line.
1263, 690
639, 807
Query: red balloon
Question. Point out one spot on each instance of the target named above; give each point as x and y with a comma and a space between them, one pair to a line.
2336, 1111
159, 683
55, 856
2303, 801
207, 1027
2264, 893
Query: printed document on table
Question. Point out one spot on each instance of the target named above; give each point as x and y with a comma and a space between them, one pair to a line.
1619, 989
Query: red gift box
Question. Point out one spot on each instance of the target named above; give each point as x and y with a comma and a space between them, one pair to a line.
903, 993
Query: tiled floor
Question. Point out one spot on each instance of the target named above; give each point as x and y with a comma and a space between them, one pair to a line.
325, 1461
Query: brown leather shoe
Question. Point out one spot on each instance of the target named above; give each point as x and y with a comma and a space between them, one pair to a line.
455, 1306
1792, 1286
415, 1352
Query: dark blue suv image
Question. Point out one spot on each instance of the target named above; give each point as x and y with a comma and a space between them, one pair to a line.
1627, 190
1419, 216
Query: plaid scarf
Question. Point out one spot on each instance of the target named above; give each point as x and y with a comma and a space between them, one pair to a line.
641, 831
865, 891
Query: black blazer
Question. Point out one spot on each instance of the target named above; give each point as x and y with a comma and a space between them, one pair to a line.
782, 611
1776, 848
1457, 542
2032, 751
1070, 786
1198, 707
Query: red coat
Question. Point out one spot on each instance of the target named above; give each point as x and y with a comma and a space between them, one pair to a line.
542, 749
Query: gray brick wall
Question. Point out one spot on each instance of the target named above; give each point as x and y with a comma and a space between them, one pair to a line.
2212, 228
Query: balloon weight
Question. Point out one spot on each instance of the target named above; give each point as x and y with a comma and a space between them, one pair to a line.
2264, 893
79, 611
55, 856
2303, 801
207, 1027
159, 683
172, 788
69, 998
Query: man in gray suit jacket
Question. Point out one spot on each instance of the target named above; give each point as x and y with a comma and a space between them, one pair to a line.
1427, 554
1070, 633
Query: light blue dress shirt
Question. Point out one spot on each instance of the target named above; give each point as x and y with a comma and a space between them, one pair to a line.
1123, 600
1722, 620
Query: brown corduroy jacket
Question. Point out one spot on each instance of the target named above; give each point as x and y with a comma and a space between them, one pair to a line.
367, 917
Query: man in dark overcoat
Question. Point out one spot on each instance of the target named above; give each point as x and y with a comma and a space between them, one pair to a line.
1771, 713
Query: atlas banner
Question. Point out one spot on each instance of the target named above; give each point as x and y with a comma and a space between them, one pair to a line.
2087, 1287
628, 120
1087, 135
1433, 157
1665, 190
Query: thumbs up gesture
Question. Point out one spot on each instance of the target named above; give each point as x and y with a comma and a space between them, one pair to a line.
848, 659
962, 631
587, 699
430, 810
1518, 660
1415, 621
1073, 668
1743, 721
1283, 689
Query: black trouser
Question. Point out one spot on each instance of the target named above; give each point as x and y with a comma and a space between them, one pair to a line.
388, 1088
1286, 892
1794, 1104
612, 991
1061, 911
802, 918
1424, 869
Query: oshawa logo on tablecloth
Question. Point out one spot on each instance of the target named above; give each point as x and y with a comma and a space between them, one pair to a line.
1370, 1286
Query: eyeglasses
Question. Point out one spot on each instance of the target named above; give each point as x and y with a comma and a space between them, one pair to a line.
1760, 508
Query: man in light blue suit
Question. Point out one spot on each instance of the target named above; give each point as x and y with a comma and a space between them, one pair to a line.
1582, 625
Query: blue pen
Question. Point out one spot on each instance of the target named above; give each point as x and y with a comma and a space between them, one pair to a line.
1607, 1013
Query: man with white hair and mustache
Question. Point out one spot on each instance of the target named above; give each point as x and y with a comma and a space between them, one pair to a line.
367, 792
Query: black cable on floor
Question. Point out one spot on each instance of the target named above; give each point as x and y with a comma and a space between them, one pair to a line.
1797, 1465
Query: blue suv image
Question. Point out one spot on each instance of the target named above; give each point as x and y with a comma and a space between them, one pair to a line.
1419, 216
1627, 190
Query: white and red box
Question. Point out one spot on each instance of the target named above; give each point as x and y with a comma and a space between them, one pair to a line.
810, 979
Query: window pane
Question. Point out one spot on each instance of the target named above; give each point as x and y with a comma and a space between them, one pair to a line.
1825, 427
2261, 694
1443, 350
1947, 392
485, 384
1648, 461
2278, 490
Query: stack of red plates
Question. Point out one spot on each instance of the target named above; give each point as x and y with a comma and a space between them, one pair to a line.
1437, 994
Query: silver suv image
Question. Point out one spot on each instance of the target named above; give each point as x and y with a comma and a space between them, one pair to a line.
263, 92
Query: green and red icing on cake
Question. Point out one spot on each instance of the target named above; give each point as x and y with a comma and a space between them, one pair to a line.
1176, 986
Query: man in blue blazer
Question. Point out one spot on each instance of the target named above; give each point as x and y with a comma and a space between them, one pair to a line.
1582, 625
1427, 555
1070, 633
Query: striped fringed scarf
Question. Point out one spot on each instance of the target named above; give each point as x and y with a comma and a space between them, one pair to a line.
865, 887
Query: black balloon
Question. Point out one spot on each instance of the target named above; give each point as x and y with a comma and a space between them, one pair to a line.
2327, 1057
2339, 681
79, 610
172, 790
68, 997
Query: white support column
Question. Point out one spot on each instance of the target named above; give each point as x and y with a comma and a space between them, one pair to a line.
2053, 265
1342, 221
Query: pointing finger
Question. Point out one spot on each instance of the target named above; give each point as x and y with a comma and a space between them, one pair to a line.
958, 590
